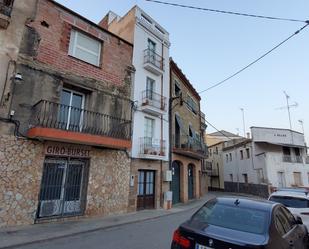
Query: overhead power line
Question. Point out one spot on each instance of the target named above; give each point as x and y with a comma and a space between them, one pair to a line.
255, 61
228, 12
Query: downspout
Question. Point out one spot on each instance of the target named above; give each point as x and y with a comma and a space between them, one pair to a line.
162, 103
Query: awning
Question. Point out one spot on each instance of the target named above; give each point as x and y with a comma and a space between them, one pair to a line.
283, 145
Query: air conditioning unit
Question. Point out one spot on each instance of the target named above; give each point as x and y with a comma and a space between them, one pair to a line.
167, 176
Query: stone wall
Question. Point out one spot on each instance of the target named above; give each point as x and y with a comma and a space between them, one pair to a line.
21, 164
21, 170
108, 188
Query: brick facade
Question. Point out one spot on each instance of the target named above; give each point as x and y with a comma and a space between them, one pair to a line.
54, 24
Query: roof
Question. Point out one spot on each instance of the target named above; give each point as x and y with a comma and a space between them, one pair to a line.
291, 193
245, 202
183, 78
223, 133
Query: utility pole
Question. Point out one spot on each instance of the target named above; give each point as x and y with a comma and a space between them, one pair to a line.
243, 120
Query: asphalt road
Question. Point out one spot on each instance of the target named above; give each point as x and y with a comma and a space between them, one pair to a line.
151, 234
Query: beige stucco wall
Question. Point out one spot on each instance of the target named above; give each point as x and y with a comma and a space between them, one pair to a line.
188, 117
184, 162
10, 40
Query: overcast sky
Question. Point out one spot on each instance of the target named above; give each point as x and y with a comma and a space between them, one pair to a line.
208, 47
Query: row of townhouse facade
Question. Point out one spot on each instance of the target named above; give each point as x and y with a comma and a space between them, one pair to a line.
91, 122
272, 158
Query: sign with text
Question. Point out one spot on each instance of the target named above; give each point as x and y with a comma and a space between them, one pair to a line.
69, 150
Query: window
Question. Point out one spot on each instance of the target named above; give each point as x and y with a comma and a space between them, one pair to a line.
149, 127
231, 177
289, 201
248, 152
286, 151
85, 48
245, 178
70, 113
217, 151
210, 154
227, 157
177, 89
230, 157
241, 155
191, 104
232, 217
150, 88
284, 223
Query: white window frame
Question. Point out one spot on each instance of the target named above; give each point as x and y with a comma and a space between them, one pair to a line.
73, 45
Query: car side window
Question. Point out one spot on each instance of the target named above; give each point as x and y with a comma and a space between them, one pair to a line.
279, 225
286, 224
290, 216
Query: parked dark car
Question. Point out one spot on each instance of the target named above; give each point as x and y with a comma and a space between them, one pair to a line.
236, 223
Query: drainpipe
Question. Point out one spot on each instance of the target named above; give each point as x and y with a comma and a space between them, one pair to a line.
161, 142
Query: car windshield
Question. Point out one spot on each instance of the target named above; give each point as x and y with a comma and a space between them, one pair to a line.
233, 217
289, 201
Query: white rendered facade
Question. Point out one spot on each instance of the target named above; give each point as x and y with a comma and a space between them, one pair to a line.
276, 157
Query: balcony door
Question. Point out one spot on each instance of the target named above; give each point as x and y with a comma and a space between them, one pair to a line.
150, 88
71, 110
152, 51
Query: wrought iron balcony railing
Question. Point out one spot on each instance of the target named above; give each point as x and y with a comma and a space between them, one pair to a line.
190, 143
151, 146
298, 159
154, 99
54, 115
287, 158
6, 7
153, 58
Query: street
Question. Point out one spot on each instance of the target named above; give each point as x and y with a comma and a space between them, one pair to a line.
150, 234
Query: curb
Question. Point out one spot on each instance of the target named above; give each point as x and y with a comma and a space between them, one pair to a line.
94, 229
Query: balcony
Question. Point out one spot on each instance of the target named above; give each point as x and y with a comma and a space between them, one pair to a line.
153, 103
6, 7
57, 122
153, 62
287, 158
151, 148
189, 146
290, 159
203, 121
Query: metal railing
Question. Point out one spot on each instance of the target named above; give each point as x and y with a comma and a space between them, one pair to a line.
152, 146
298, 159
153, 58
154, 99
287, 158
189, 143
6, 7
58, 116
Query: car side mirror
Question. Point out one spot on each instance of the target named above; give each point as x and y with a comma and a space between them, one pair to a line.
298, 219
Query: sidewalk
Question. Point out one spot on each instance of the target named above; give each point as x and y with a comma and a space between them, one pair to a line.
23, 235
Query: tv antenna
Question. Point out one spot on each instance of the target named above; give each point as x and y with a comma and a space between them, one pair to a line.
288, 107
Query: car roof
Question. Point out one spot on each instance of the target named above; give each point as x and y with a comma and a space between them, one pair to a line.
291, 193
245, 202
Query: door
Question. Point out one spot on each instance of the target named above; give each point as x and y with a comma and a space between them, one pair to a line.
146, 189
150, 88
175, 182
297, 179
152, 52
281, 180
71, 110
63, 187
190, 181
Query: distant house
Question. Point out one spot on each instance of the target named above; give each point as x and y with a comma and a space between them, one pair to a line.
214, 163
272, 158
